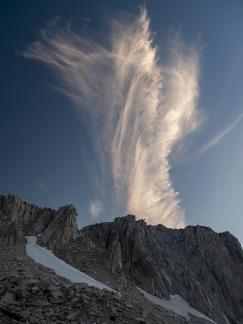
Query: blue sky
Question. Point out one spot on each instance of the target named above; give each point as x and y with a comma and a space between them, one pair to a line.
47, 155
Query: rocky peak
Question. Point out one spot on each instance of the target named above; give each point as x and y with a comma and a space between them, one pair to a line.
233, 246
202, 266
61, 229
19, 219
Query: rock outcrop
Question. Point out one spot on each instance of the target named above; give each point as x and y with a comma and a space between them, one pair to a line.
31, 293
204, 267
19, 219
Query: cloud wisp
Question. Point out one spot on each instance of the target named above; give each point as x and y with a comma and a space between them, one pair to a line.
215, 140
96, 208
139, 109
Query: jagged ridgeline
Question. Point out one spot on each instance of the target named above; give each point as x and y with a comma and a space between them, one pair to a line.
18, 219
203, 267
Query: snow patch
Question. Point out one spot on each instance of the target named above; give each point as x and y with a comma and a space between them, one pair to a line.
176, 304
48, 259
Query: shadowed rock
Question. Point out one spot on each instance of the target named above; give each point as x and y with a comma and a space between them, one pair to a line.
19, 219
202, 266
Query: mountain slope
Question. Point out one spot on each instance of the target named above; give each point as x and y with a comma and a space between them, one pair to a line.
203, 267
196, 264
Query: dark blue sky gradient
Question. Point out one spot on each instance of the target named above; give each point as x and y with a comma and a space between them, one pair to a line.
46, 156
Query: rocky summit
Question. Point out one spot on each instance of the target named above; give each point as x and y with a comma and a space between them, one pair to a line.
146, 267
18, 219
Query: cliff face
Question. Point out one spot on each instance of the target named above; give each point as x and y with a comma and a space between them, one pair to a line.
19, 219
204, 267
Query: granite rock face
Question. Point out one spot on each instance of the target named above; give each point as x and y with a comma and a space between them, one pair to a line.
33, 294
19, 219
204, 267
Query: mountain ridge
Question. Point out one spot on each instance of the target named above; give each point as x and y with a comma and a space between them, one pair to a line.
200, 265
21, 219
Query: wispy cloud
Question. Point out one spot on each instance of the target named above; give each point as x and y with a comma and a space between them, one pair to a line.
139, 109
215, 140
96, 208
43, 186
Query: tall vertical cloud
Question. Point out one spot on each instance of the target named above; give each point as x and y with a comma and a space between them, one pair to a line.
139, 109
